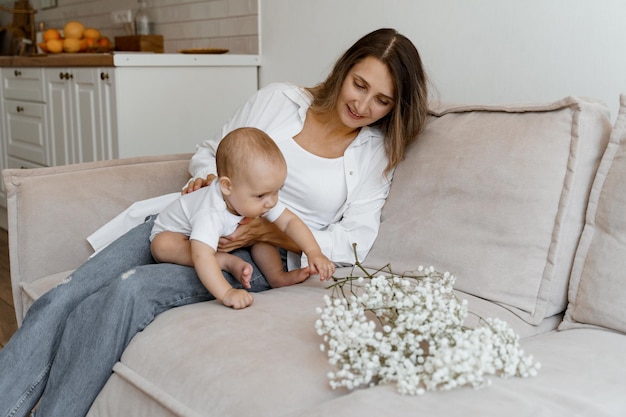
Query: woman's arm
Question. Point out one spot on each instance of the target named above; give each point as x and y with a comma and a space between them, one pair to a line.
257, 230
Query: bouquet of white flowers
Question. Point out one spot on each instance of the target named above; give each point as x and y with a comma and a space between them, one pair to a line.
409, 330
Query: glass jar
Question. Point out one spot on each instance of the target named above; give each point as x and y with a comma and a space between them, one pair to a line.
143, 22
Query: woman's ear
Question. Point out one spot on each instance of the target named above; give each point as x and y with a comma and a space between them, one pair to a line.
225, 185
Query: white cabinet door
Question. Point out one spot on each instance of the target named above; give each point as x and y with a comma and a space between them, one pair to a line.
26, 135
86, 115
81, 124
108, 115
59, 107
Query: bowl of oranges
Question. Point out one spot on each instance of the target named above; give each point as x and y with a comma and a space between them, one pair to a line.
74, 38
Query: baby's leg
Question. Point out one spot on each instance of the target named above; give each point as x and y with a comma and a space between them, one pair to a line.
171, 247
175, 248
236, 266
269, 262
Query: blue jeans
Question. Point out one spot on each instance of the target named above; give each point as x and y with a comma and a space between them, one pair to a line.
71, 337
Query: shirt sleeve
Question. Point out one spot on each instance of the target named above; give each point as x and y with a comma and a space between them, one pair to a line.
275, 212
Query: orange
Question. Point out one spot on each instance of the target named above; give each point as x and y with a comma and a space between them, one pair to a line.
73, 30
91, 43
71, 45
104, 43
54, 46
51, 34
91, 33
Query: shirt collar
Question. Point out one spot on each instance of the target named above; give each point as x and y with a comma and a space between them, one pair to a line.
301, 97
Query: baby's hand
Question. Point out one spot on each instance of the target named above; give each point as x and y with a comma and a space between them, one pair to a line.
237, 298
323, 266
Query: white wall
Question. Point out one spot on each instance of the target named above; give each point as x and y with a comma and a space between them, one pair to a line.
475, 51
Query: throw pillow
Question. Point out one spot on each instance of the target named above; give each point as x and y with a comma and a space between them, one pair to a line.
497, 196
598, 284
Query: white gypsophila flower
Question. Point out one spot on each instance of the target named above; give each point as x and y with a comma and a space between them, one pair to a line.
409, 330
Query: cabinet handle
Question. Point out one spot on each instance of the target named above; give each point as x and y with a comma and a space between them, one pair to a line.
104, 76
17, 73
66, 75
20, 109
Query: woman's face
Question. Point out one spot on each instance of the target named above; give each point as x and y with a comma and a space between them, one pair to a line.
366, 94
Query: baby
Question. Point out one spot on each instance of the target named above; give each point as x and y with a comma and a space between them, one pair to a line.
250, 172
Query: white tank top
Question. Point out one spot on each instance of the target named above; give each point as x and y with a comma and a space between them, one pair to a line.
323, 180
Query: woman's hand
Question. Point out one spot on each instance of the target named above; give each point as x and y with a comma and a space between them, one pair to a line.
256, 230
198, 183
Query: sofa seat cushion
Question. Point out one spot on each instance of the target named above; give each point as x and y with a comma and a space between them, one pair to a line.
581, 375
497, 196
597, 295
31, 291
206, 359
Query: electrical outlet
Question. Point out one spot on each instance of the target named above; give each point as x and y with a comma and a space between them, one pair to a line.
121, 16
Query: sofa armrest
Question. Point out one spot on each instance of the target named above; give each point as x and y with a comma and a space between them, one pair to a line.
52, 210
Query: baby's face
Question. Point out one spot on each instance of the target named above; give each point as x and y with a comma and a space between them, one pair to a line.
255, 193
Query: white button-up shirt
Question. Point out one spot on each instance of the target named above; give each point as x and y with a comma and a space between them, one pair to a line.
280, 110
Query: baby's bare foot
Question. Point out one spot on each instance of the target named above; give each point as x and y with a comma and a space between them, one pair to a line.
237, 267
299, 275
244, 274
283, 279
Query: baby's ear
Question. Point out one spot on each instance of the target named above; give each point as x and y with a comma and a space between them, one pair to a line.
225, 185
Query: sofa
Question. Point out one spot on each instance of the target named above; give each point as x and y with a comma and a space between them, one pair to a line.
524, 204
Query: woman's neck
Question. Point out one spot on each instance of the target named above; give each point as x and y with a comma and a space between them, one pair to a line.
332, 125
324, 135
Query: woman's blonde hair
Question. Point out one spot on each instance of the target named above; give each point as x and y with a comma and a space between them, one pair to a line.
408, 115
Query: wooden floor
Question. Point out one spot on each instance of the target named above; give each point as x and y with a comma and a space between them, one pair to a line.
8, 324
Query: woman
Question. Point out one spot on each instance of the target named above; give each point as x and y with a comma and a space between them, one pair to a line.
342, 140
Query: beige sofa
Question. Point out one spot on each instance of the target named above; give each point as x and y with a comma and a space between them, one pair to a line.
524, 204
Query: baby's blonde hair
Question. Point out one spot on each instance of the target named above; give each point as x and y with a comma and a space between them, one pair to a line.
241, 147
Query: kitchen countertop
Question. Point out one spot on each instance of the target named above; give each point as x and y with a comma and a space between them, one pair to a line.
129, 59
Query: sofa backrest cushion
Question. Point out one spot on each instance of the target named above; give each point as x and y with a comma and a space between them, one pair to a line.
597, 295
497, 196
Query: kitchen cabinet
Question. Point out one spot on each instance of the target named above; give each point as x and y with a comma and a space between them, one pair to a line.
71, 108
105, 106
